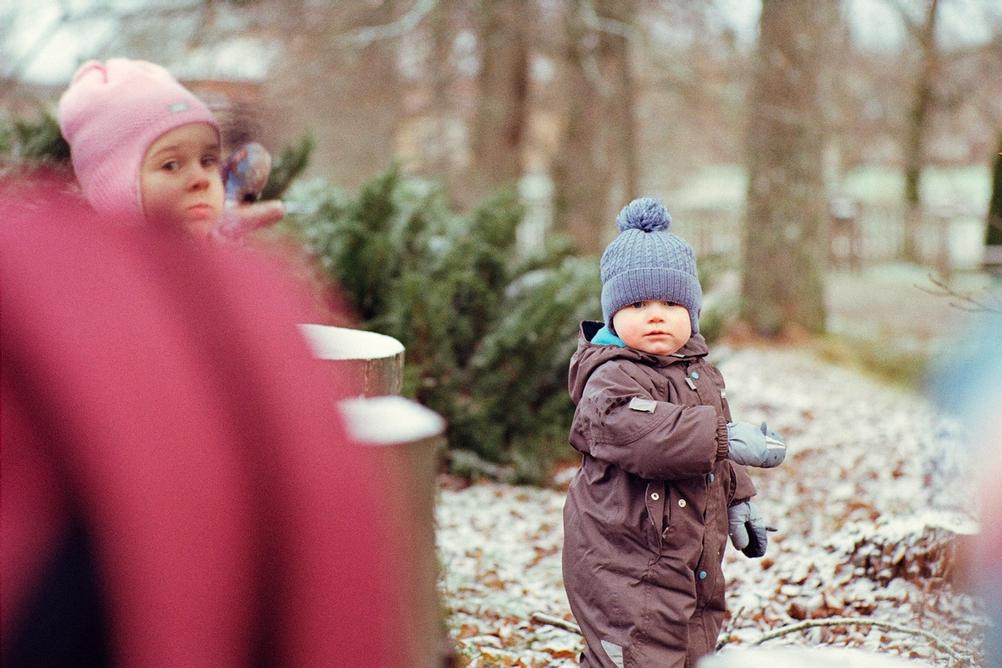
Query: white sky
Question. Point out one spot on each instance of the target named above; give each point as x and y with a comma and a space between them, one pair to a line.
873, 22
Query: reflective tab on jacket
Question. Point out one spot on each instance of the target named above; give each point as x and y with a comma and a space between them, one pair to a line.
615, 652
643, 405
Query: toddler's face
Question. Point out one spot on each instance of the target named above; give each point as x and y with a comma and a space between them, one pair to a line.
179, 179
654, 327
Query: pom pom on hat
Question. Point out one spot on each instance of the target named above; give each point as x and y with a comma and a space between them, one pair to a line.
110, 115
646, 261
644, 213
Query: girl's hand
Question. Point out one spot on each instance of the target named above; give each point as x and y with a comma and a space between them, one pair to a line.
240, 220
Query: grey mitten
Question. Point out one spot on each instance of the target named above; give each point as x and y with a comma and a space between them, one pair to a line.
754, 446
747, 529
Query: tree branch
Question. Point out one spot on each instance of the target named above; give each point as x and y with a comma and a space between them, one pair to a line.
725, 633
912, 25
612, 26
11, 71
363, 37
968, 302
550, 620
851, 621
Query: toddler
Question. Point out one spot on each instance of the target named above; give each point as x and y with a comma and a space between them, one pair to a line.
145, 149
661, 483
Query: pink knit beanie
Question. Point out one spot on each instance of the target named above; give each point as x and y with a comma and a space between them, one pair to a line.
110, 115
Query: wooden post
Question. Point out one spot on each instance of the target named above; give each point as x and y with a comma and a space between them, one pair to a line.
371, 362
406, 438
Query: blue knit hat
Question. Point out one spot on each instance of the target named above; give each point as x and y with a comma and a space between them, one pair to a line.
646, 261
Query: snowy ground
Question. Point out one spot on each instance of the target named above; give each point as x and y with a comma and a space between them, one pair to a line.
867, 504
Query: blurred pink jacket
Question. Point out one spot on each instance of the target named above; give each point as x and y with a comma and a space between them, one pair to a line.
177, 487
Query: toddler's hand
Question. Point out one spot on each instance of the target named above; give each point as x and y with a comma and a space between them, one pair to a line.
755, 446
747, 529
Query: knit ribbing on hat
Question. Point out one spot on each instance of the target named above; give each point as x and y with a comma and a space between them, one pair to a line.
647, 262
110, 115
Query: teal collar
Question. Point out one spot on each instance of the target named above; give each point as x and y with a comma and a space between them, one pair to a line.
605, 337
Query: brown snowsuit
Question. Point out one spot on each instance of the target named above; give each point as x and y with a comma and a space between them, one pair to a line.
645, 522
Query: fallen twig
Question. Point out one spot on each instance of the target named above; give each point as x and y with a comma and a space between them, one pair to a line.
725, 634
543, 618
853, 621
560, 623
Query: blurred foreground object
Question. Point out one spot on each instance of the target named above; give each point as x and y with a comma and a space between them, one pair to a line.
968, 382
177, 490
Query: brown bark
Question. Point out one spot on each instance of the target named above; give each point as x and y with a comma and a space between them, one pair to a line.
598, 140
785, 236
347, 92
502, 110
918, 121
623, 119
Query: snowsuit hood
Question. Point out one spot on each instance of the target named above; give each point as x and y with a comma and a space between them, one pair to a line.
645, 522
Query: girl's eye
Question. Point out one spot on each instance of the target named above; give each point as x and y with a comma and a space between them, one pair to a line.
210, 161
638, 304
170, 165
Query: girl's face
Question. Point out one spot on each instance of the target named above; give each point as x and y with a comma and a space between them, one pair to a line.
179, 179
654, 327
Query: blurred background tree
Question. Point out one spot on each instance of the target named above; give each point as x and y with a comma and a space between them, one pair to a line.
785, 240
746, 117
923, 33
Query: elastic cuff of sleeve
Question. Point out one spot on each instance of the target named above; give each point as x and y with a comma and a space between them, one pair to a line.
723, 442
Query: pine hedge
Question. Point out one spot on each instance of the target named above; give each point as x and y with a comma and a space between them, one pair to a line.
488, 333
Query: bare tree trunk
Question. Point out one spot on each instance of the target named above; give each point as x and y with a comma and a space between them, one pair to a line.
503, 86
599, 130
785, 237
914, 148
622, 119
346, 91
439, 155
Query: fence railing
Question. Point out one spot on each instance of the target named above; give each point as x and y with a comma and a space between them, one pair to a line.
948, 238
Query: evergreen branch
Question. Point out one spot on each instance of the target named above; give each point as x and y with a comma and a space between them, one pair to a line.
851, 621
470, 462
